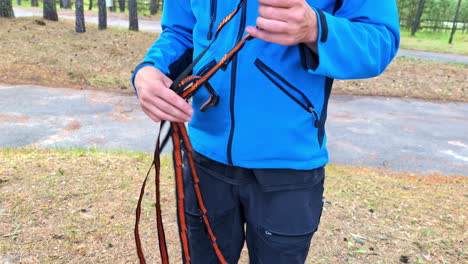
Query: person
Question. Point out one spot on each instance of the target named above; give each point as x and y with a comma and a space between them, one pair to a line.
260, 152
109, 5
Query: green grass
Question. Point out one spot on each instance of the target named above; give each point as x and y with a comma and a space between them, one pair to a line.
435, 41
77, 206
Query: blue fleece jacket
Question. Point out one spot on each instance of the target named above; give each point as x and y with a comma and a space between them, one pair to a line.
273, 98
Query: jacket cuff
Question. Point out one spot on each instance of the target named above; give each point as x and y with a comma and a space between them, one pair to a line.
141, 65
309, 59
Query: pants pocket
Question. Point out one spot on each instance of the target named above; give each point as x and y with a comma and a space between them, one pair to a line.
280, 248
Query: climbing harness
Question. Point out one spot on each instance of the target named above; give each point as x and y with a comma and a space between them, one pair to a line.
185, 85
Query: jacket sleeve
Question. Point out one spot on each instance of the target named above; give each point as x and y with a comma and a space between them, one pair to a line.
173, 49
359, 41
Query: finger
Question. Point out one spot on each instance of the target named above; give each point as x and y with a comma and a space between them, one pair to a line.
274, 13
273, 26
150, 100
151, 115
170, 109
174, 99
157, 114
278, 3
278, 38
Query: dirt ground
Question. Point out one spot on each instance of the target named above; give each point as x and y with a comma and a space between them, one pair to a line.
54, 55
74, 206
110, 15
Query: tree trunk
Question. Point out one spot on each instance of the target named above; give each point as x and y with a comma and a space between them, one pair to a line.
154, 6
133, 15
35, 3
66, 4
417, 19
18, 2
6, 8
153, 9
454, 27
49, 10
90, 6
102, 14
122, 5
80, 20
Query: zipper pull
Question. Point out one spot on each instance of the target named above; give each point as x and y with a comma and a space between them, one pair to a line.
317, 121
268, 233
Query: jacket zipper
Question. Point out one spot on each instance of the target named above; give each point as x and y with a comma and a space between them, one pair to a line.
213, 8
300, 98
233, 82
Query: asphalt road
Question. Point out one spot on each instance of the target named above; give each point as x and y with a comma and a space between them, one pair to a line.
394, 133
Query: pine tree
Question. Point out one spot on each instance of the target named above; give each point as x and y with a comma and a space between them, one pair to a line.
454, 27
102, 14
133, 15
6, 8
417, 19
49, 10
80, 20
67, 4
154, 7
122, 5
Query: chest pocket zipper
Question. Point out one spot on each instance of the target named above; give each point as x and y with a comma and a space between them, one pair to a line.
292, 92
213, 9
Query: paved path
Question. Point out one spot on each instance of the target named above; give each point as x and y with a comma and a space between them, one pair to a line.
444, 57
399, 134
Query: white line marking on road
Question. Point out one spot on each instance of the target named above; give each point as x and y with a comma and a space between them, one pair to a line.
458, 143
455, 155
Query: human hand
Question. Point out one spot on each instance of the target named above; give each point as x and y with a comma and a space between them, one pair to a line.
286, 22
157, 100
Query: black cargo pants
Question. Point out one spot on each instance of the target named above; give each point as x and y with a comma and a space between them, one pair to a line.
276, 211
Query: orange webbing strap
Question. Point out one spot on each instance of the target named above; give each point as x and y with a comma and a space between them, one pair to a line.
189, 91
178, 132
188, 79
161, 235
178, 166
196, 180
141, 257
179, 136
229, 17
